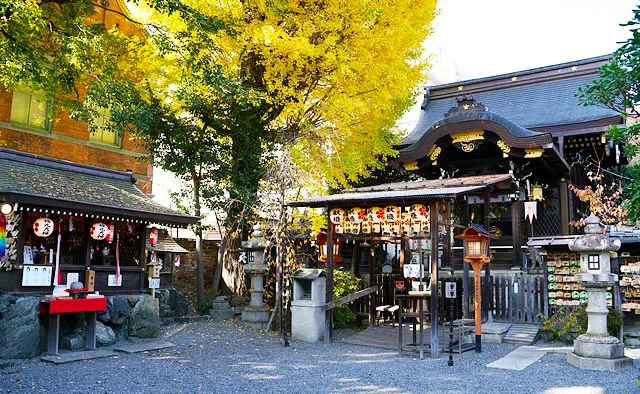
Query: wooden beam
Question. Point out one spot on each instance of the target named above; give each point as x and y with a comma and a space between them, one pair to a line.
372, 272
351, 297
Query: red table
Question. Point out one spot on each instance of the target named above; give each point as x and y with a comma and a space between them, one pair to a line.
55, 307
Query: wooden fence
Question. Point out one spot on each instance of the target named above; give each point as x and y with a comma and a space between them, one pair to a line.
510, 299
513, 299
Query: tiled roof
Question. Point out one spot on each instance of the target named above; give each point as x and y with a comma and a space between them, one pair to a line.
548, 102
36, 180
166, 244
406, 192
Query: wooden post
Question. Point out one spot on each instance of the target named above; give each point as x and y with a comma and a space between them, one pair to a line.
564, 207
466, 291
435, 343
372, 273
487, 223
477, 271
515, 231
329, 288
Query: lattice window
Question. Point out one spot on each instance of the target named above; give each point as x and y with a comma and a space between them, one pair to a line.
548, 221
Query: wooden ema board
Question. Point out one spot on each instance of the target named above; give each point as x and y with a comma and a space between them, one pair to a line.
67, 305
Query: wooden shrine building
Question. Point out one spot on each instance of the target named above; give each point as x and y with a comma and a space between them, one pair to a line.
76, 199
500, 152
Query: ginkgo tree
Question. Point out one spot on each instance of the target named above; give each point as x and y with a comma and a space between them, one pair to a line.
325, 80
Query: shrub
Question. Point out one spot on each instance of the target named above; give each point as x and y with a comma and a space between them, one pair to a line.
344, 284
568, 322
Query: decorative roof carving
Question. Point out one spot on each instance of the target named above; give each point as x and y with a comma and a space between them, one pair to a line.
466, 104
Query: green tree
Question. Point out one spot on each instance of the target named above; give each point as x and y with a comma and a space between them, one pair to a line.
618, 88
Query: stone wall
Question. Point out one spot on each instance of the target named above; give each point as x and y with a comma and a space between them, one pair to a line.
23, 331
185, 280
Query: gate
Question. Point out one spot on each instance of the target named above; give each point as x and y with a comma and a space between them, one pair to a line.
513, 299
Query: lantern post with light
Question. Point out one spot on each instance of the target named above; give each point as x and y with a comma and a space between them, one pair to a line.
476, 252
321, 239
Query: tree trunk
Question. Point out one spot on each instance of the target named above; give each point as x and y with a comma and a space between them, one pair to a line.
218, 273
232, 270
198, 230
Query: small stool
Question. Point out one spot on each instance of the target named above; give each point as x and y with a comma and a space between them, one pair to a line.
380, 310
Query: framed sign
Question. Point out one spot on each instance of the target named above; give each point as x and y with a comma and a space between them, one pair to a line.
114, 280
450, 289
154, 283
36, 275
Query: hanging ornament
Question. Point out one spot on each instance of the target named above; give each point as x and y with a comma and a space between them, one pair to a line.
392, 213
111, 232
153, 236
418, 211
99, 231
43, 227
71, 226
356, 215
375, 214
336, 215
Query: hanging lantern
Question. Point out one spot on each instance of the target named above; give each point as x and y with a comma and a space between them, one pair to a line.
153, 236
321, 238
336, 215
418, 212
356, 215
99, 231
392, 213
43, 227
111, 233
406, 223
536, 193
375, 214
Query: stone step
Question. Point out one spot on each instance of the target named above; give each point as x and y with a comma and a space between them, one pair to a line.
522, 334
143, 347
78, 356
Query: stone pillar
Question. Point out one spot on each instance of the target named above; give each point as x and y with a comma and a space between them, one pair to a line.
597, 350
256, 314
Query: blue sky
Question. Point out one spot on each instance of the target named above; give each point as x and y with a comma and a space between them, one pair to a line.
482, 38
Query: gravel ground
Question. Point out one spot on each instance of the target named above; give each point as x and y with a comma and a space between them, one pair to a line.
223, 357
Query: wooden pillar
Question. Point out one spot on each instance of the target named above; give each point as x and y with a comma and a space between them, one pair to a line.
466, 291
515, 230
329, 288
142, 231
87, 245
487, 223
435, 343
403, 241
446, 245
564, 207
372, 273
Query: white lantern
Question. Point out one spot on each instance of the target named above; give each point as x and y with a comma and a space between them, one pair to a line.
356, 215
99, 231
43, 227
392, 213
418, 212
336, 215
375, 214
111, 234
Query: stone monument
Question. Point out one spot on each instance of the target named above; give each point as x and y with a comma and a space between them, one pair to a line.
256, 314
596, 350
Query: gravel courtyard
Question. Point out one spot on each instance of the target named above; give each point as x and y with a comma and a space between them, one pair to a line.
223, 357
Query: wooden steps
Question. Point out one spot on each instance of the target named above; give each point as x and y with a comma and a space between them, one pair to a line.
522, 334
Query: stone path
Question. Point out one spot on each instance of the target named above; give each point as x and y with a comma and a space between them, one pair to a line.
524, 356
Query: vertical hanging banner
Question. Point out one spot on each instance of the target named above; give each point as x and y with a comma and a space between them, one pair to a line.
531, 210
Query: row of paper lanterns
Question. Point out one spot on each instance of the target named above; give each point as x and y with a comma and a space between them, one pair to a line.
43, 227
390, 213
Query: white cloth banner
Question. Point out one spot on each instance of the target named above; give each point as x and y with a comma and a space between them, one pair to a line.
531, 210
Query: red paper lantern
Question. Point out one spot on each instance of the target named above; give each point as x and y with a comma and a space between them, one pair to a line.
153, 236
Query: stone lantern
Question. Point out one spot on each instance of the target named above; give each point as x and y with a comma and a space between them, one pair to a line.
256, 314
596, 350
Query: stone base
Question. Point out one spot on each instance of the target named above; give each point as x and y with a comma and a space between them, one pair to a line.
599, 364
255, 317
494, 332
598, 347
221, 309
